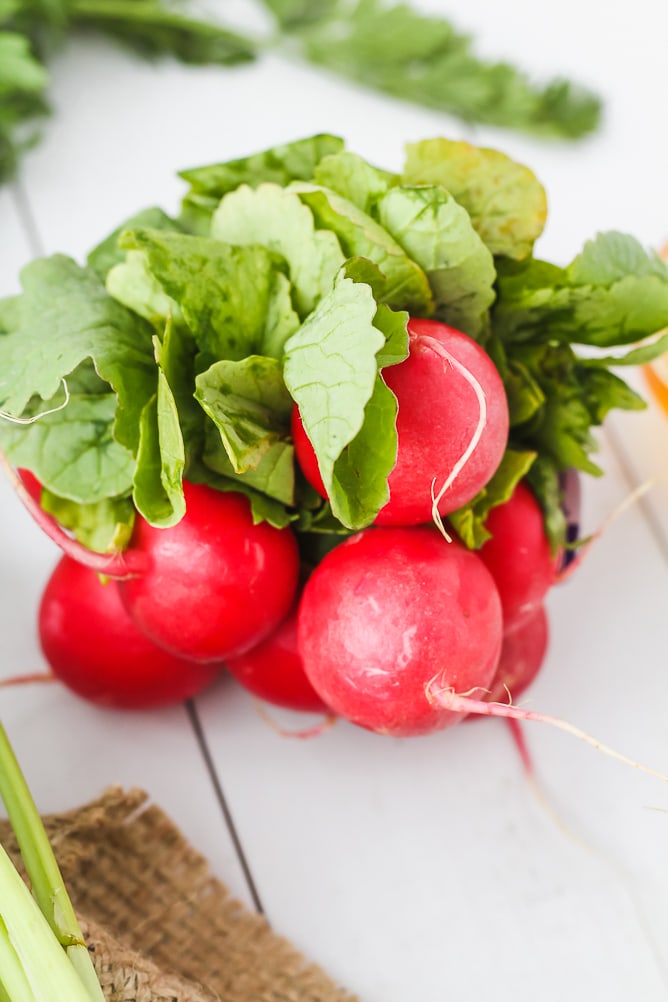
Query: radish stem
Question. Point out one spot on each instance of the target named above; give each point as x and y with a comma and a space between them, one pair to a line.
119, 566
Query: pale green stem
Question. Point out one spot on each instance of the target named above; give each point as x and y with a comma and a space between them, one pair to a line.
48, 972
45, 877
14, 985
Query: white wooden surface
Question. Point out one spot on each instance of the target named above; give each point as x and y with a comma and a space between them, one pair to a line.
413, 870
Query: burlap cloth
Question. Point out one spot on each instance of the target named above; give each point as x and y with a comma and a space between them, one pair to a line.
160, 926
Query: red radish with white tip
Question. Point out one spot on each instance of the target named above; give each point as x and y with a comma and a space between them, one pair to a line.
385, 611
452, 426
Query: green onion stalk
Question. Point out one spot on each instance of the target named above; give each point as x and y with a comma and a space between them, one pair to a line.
43, 955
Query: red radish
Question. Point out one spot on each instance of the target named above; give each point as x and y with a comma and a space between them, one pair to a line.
273, 671
215, 584
205, 589
94, 648
387, 610
522, 654
518, 555
305, 453
452, 425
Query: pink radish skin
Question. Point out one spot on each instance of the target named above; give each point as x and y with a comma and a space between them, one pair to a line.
273, 671
207, 588
518, 555
452, 425
387, 610
93, 647
215, 584
523, 651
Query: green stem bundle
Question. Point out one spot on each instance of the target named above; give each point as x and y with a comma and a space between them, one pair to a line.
43, 954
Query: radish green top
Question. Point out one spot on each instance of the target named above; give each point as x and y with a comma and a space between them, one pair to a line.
290, 276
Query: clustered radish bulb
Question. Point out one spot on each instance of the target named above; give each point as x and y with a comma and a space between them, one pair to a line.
452, 410
215, 583
383, 614
387, 610
518, 555
95, 649
452, 419
273, 670
523, 651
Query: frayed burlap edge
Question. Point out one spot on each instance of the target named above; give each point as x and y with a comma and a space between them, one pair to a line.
155, 912
127, 976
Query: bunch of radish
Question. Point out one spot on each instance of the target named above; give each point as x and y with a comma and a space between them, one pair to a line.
384, 614
315, 432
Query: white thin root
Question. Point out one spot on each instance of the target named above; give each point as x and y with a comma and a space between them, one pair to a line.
587, 542
6, 416
436, 499
302, 733
448, 699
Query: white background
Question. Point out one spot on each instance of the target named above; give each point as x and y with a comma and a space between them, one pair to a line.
422, 869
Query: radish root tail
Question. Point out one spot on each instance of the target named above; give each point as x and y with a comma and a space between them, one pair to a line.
302, 733
448, 699
6, 416
436, 498
28, 679
587, 542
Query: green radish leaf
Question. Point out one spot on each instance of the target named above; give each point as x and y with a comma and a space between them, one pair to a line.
223, 292
108, 253
603, 391
272, 480
281, 321
406, 285
158, 482
249, 405
276, 219
469, 522
104, 527
10, 314
543, 478
20, 72
561, 428
505, 201
359, 479
132, 283
154, 29
424, 59
351, 177
67, 316
354, 433
437, 234
641, 355
395, 328
524, 393
72, 451
278, 165
595, 301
